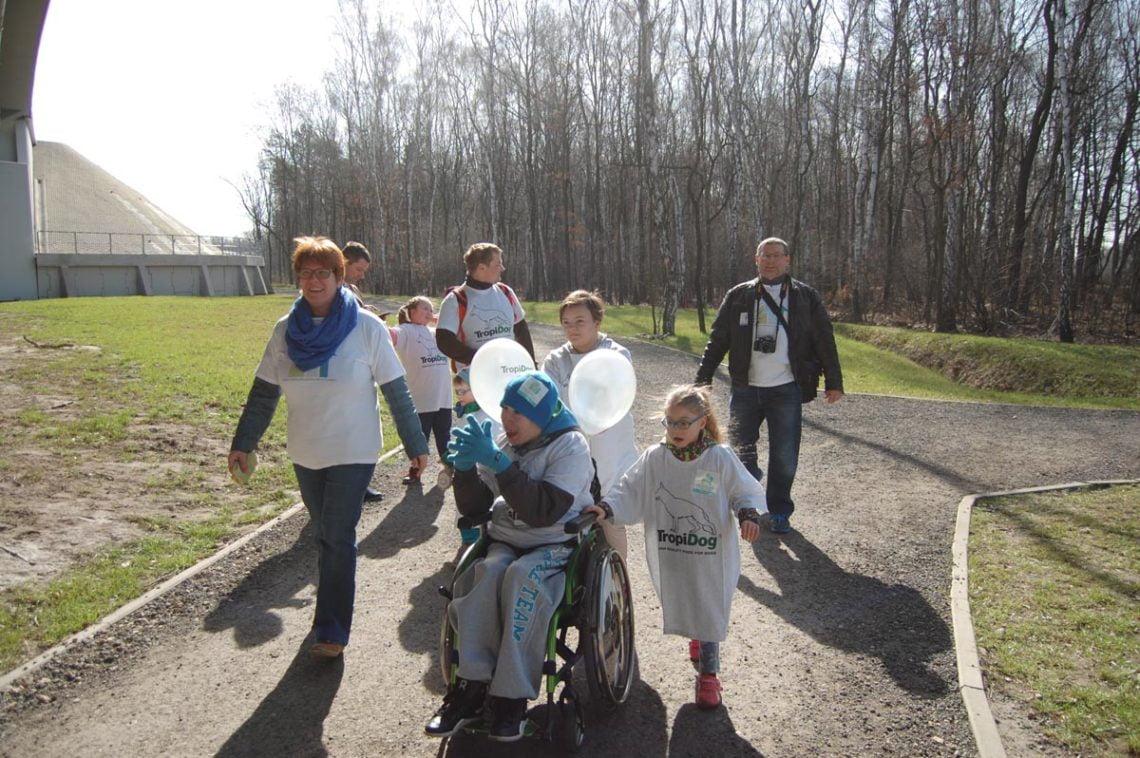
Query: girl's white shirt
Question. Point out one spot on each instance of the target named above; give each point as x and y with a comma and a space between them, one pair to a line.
429, 375
692, 540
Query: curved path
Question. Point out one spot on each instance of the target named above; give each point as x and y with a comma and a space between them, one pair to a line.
840, 642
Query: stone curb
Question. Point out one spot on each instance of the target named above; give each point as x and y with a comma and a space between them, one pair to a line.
970, 682
34, 664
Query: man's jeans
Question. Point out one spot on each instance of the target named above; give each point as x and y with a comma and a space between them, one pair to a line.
334, 497
781, 408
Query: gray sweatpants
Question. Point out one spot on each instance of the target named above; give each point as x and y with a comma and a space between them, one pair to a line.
502, 609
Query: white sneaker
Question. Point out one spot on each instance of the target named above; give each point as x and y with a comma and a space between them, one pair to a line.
446, 474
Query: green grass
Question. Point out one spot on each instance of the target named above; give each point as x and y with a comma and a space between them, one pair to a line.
35, 616
1055, 596
162, 360
1035, 367
1082, 376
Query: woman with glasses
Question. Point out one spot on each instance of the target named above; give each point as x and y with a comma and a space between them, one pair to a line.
692, 493
328, 355
614, 450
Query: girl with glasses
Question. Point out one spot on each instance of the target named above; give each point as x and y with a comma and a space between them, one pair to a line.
693, 495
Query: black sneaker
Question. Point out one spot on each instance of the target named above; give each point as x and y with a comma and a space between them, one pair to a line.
462, 705
373, 496
508, 719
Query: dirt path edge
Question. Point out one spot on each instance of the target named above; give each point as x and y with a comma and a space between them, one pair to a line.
31, 666
970, 682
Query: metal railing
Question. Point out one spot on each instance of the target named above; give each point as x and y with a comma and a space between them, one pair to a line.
124, 243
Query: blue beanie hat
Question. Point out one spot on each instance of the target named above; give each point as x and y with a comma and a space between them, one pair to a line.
535, 396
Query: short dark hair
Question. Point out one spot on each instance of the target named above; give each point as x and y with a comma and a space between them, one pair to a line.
354, 251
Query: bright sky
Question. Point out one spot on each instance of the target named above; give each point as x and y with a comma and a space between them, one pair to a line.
168, 96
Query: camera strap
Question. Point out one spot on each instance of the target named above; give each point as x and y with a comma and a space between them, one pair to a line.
778, 309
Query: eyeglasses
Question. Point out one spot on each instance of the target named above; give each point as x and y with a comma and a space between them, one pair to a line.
681, 423
309, 273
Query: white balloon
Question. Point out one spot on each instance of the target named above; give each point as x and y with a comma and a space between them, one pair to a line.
494, 366
601, 391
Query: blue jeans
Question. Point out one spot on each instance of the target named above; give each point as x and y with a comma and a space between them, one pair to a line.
334, 497
782, 408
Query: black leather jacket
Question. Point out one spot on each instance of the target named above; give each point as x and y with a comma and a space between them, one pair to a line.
811, 342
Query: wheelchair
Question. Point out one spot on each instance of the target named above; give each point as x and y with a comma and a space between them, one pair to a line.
593, 623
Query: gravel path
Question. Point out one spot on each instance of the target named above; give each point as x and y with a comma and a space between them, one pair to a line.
840, 641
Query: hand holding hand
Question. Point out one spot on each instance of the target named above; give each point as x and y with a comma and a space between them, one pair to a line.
475, 440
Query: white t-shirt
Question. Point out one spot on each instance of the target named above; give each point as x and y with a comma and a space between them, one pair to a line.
490, 314
615, 449
334, 411
429, 375
770, 369
692, 542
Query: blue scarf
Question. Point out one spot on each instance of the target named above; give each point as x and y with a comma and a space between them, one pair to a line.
312, 344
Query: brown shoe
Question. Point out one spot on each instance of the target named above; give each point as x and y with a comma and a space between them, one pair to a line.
326, 650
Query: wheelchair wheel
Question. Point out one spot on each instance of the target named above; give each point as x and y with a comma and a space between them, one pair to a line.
608, 635
572, 724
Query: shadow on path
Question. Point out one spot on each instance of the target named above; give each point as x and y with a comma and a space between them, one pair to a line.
954, 478
290, 720
408, 523
706, 733
637, 728
419, 629
852, 612
273, 583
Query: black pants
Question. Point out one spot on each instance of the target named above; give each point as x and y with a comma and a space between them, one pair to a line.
440, 423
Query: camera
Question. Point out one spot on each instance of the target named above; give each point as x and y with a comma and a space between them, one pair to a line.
765, 344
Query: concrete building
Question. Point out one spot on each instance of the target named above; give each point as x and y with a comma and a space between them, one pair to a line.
69, 228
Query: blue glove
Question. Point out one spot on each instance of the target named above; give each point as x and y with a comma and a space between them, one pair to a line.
462, 461
475, 440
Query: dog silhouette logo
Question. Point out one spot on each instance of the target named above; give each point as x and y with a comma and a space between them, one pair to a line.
493, 321
680, 510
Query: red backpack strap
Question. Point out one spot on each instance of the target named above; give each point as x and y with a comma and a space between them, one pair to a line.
507, 291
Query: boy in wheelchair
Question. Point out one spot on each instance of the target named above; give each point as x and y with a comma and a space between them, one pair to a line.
533, 479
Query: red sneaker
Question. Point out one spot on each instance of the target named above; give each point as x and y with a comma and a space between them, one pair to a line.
695, 651
708, 692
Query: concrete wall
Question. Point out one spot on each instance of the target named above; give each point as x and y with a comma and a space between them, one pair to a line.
86, 275
17, 233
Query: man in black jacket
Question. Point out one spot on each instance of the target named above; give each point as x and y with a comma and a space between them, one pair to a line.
778, 337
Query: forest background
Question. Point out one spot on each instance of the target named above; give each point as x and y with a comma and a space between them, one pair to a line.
943, 163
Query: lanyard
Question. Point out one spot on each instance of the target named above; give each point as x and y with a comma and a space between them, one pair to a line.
778, 308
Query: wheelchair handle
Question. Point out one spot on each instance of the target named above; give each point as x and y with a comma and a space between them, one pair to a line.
580, 522
470, 522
